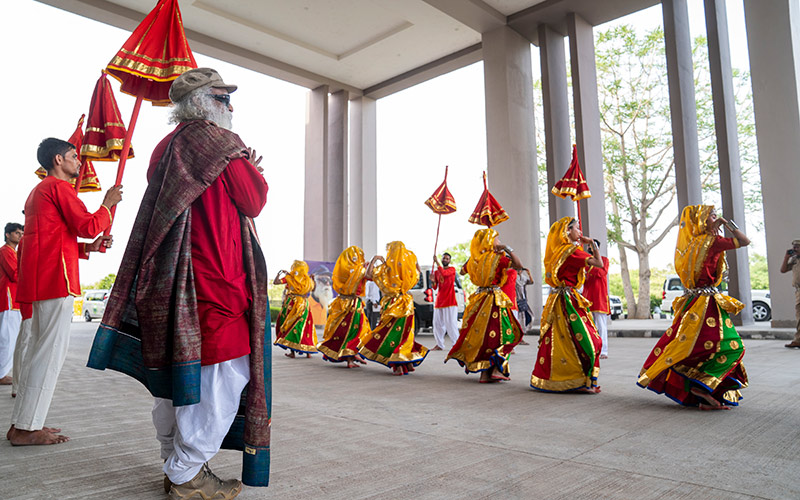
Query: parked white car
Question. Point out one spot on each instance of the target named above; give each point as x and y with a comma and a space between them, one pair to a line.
94, 304
673, 288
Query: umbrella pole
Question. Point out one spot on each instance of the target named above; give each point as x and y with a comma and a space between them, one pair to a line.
437, 234
123, 156
78, 181
580, 222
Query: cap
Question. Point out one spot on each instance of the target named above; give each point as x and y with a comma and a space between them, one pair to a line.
194, 79
795, 242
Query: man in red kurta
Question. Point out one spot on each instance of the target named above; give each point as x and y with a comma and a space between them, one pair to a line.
595, 288
9, 307
48, 278
445, 309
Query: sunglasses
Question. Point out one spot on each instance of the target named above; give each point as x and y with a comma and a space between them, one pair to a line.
223, 98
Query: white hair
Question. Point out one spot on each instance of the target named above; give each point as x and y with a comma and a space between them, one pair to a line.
199, 105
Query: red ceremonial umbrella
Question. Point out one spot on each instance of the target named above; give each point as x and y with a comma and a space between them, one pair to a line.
488, 212
442, 203
87, 180
105, 132
155, 54
573, 184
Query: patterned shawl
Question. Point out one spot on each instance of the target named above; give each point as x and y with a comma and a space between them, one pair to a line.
151, 328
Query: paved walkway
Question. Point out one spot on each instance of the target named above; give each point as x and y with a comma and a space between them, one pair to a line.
438, 434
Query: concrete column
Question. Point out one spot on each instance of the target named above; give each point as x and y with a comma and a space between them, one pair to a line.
730, 171
363, 176
316, 165
587, 127
511, 145
773, 39
335, 203
558, 149
680, 76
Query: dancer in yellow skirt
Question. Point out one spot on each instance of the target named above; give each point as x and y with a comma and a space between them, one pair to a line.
489, 330
569, 345
698, 360
392, 341
347, 322
294, 328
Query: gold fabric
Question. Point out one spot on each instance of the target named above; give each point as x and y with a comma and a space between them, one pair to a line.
349, 271
395, 278
482, 267
559, 247
298, 281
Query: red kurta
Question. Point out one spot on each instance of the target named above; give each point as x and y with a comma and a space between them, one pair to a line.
596, 288
446, 296
510, 286
709, 270
49, 250
223, 297
8, 278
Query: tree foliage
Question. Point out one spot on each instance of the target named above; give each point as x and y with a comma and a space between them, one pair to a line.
103, 284
637, 147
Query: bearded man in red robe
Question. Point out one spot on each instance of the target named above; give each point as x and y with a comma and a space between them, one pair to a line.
188, 312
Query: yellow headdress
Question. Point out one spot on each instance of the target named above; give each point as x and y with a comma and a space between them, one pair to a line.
558, 248
399, 273
298, 281
349, 271
483, 260
693, 245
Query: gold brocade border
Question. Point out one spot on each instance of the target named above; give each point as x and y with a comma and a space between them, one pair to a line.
97, 153
153, 59
110, 216
336, 356
296, 347
472, 366
103, 130
560, 385
145, 70
416, 358
694, 374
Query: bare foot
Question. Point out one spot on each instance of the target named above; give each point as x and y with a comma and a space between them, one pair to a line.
397, 370
435, 348
351, 364
19, 437
52, 430
289, 354
410, 367
589, 390
603, 356
711, 402
496, 375
308, 354
360, 359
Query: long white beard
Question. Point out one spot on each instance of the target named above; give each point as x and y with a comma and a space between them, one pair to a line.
222, 117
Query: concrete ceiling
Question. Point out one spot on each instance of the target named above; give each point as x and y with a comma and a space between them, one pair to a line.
367, 47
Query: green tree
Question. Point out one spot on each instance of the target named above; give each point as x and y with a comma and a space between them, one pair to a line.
637, 147
759, 277
104, 284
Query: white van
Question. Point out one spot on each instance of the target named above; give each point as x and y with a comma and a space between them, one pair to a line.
673, 288
94, 304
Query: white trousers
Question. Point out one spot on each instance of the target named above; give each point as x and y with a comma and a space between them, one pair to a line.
191, 435
9, 329
47, 350
601, 322
445, 319
21, 348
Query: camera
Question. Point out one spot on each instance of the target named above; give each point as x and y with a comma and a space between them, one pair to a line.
790, 252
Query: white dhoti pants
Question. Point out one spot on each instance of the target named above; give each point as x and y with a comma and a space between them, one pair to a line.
20, 350
191, 435
49, 341
601, 322
9, 329
445, 319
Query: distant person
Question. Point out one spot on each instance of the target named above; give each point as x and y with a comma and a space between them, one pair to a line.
698, 360
294, 327
445, 309
569, 345
48, 279
392, 341
524, 312
346, 324
10, 317
489, 330
595, 289
790, 262
373, 305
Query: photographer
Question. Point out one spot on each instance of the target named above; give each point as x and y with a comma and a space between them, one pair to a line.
790, 260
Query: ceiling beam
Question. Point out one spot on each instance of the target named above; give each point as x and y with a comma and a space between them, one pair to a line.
476, 14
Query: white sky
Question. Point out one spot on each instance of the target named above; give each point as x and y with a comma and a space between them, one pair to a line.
52, 59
